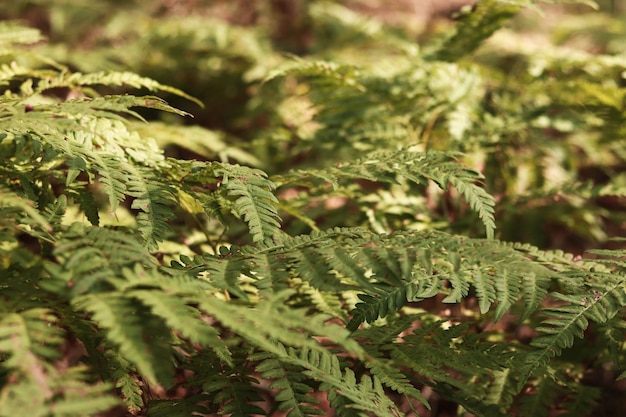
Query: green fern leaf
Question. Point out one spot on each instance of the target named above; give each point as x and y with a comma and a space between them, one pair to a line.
507, 293
225, 270
330, 73
569, 321
12, 201
293, 392
112, 177
19, 336
12, 33
498, 393
130, 388
391, 377
366, 395
584, 398
236, 392
131, 332
91, 258
185, 407
417, 167
153, 199
255, 202
485, 17
479, 200
182, 318
111, 78
80, 398
485, 289
373, 307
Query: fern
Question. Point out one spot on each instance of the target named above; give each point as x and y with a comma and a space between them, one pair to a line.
255, 203
237, 394
12, 34
76, 79
566, 322
111, 251
366, 394
341, 268
38, 386
250, 189
153, 199
131, 333
486, 17
414, 166
291, 385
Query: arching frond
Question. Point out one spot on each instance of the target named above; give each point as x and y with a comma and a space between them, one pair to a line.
569, 319
417, 167
486, 17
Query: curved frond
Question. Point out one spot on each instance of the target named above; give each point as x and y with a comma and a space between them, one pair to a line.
485, 17
115, 78
568, 320
138, 336
417, 167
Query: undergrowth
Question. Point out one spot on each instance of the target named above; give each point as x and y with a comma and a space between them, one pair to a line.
332, 231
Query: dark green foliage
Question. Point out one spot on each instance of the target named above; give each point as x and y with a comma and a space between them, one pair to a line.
324, 240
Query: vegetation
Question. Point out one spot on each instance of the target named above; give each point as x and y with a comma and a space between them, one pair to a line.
311, 211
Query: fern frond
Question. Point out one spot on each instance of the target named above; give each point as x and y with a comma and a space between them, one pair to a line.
389, 270
21, 333
584, 398
193, 405
255, 202
485, 17
273, 323
106, 107
291, 385
30, 342
126, 381
313, 266
328, 73
237, 394
438, 354
14, 34
479, 200
348, 26
114, 78
12, 202
183, 319
86, 203
153, 198
136, 334
417, 167
463, 262
272, 274
210, 144
499, 392
366, 395
225, 270
79, 398
250, 189
568, 320
91, 258
372, 307
390, 376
